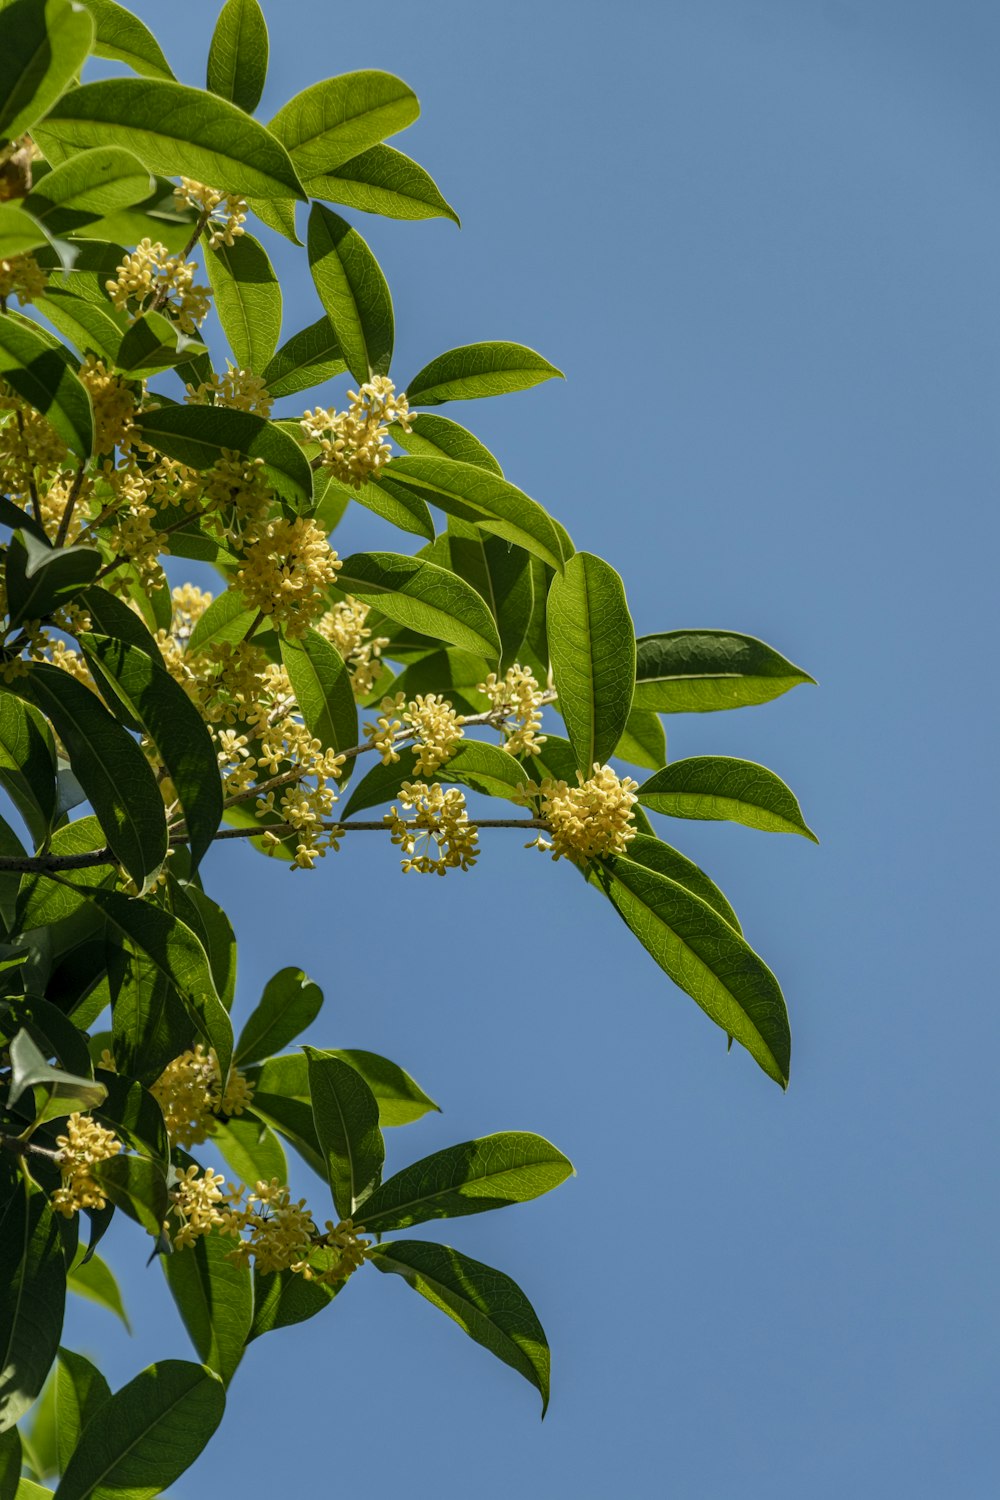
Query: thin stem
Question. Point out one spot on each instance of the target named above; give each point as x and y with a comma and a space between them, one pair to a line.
20, 1147
32, 487
164, 291
67, 514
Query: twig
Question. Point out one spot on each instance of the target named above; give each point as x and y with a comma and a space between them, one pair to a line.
71, 500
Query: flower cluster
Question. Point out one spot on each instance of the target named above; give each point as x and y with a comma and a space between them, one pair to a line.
354, 444
440, 836
22, 277
151, 275
191, 1095
114, 403
344, 627
285, 571
435, 726
84, 1145
195, 1204
586, 821
517, 696
226, 212
240, 389
277, 1234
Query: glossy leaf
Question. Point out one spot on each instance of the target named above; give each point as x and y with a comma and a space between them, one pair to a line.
493, 1172
322, 687
214, 1297
40, 376
474, 494
289, 1004
63, 1092
486, 1304
43, 44
226, 620
400, 1099
94, 1280
197, 435
502, 574
206, 918
654, 854
41, 579
434, 436
124, 38
42, 901
138, 1186
32, 1297
152, 344
698, 671
282, 1298
423, 597
237, 57
308, 358
333, 121
474, 370
19, 232
90, 326
643, 742
247, 293
88, 186
721, 788
592, 642
383, 181
353, 291
396, 504
81, 1391
110, 767
150, 1431
28, 764
281, 1097
112, 617
175, 131
250, 1149
346, 1116
705, 957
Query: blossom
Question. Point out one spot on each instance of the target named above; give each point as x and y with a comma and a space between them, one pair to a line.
270, 1228
190, 1095
589, 820
438, 730
440, 830
286, 569
151, 274
195, 1202
382, 734
227, 211
22, 277
240, 389
517, 696
354, 444
84, 1145
344, 627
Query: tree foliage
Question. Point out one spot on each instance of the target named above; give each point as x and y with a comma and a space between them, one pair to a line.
141, 723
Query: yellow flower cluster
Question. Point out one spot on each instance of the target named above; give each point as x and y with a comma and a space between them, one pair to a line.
113, 401
227, 211
22, 277
517, 696
190, 1095
588, 820
32, 453
150, 273
435, 726
240, 389
440, 836
196, 1199
84, 1145
278, 1234
286, 568
354, 444
344, 627
382, 734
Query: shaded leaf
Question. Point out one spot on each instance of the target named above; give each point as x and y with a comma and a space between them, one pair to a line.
282, 1298
28, 764
337, 119
247, 293
654, 854
592, 643
251, 1149
226, 620
19, 232
423, 597
41, 578
152, 344
81, 1391
43, 44
698, 671
138, 1186
643, 742
281, 1098
214, 1297
322, 687
289, 1004
197, 435
40, 376
383, 181
94, 1280
88, 186
346, 1117
474, 494
353, 291
434, 436
64, 1092
124, 38
400, 1099
308, 358
90, 326
32, 1297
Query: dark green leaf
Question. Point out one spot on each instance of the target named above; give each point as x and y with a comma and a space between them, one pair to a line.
94, 1280
434, 436
11, 1458
282, 1298
322, 687
197, 435
247, 293
133, 1114
346, 1115
309, 358
148, 1016
111, 616
396, 504
175, 131
281, 1097
705, 957
488, 1305
41, 578
28, 764
237, 58
88, 325
39, 375
10, 881
123, 37
226, 621
697, 671
89, 186
423, 597
206, 918
489, 369
43, 44
353, 292
592, 642
502, 574
400, 1099
64, 1092
493, 1172
43, 901
475, 494
251, 1149
110, 767
289, 1004
335, 120
81, 1391
719, 787
147, 1434
214, 1297
32, 1297
153, 344
651, 852
138, 1186
383, 181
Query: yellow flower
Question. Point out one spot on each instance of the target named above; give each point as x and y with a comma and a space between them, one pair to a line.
82, 1147
286, 570
586, 821
441, 830
190, 1095
22, 277
196, 1200
149, 273
228, 211
438, 730
517, 696
354, 444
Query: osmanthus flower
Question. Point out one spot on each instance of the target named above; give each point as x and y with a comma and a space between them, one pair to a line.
355, 444
198, 1204
344, 627
285, 571
382, 734
22, 277
190, 1094
227, 211
337, 1254
518, 697
84, 1144
437, 728
150, 273
239, 389
269, 1228
585, 821
114, 401
439, 837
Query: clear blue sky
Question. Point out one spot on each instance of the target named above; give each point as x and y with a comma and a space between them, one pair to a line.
761, 238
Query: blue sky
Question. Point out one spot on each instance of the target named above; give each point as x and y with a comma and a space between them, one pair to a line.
761, 240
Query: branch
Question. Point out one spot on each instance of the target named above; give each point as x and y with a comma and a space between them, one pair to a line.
71, 500
19, 1147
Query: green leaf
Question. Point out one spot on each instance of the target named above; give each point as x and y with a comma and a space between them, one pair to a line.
28, 764
110, 767
474, 370
643, 742
43, 44
434, 436
148, 1016
29, 1490
308, 358
138, 1186
247, 294
489, 1306
144, 1438
510, 1167
346, 1116
237, 57
197, 435
94, 1280
502, 574
153, 344
400, 1099
698, 671
592, 642
88, 325
719, 787
654, 854
176, 131
40, 1444
52, 1031
423, 597
10, 881
278, 214
89, 186
335, 120
396, 504
353, 291
705, 957
81, 1391
39, 375
32, 1297
40, 578
281, 1098
214, 1297
64, 1092
226, 620
474, 494
43, 902
124, 38
175, 727
19, 232
289, 1004
178, 954
251, 1149
133, 1114
11, 1459
282, 1298
215, 931
322, 687
383, 181
111, 616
